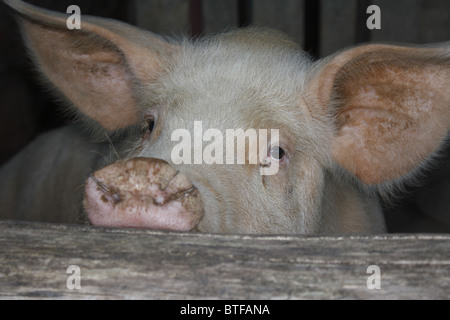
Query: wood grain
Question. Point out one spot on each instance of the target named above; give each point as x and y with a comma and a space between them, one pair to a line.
142, 264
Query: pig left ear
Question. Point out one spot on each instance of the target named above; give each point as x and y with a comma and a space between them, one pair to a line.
98, 69
391, 107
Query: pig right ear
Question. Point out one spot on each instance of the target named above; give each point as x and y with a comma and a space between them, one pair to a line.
96, 67
390, 106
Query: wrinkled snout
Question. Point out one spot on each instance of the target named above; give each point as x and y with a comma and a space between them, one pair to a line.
142, 193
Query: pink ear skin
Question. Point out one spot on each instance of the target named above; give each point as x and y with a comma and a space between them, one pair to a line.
97, 67
391, 107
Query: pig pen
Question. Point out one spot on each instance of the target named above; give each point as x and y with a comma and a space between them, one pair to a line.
140, 264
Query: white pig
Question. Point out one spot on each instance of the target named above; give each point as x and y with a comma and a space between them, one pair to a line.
352, 125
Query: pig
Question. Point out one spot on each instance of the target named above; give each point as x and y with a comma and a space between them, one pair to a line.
351, 127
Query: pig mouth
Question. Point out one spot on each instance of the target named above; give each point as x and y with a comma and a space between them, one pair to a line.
142, 193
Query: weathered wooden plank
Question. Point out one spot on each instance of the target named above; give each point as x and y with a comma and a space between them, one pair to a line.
135, 264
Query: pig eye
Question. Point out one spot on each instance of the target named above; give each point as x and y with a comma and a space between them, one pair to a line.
149, 125
150, 120
277, 153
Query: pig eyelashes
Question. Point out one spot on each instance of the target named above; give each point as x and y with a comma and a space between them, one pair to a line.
149, 126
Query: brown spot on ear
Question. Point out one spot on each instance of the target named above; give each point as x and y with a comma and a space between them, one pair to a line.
321, 86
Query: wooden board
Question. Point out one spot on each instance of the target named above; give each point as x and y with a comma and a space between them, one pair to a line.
141, 264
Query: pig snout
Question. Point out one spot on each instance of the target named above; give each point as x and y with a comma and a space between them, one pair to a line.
142, 193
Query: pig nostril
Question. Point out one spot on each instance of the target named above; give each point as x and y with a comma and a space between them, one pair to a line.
116, 197
188, 192
163, 187
162, 200
111, 191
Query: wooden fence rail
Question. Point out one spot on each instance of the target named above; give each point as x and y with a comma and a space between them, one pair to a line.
141, 264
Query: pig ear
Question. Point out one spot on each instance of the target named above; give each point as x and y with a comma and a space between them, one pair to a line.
391, 107
96, 68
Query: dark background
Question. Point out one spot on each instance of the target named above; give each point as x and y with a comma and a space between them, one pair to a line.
320, 26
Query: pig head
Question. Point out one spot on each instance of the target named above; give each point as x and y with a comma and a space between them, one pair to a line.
351, 126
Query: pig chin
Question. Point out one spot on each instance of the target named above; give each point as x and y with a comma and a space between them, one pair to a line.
142, 193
